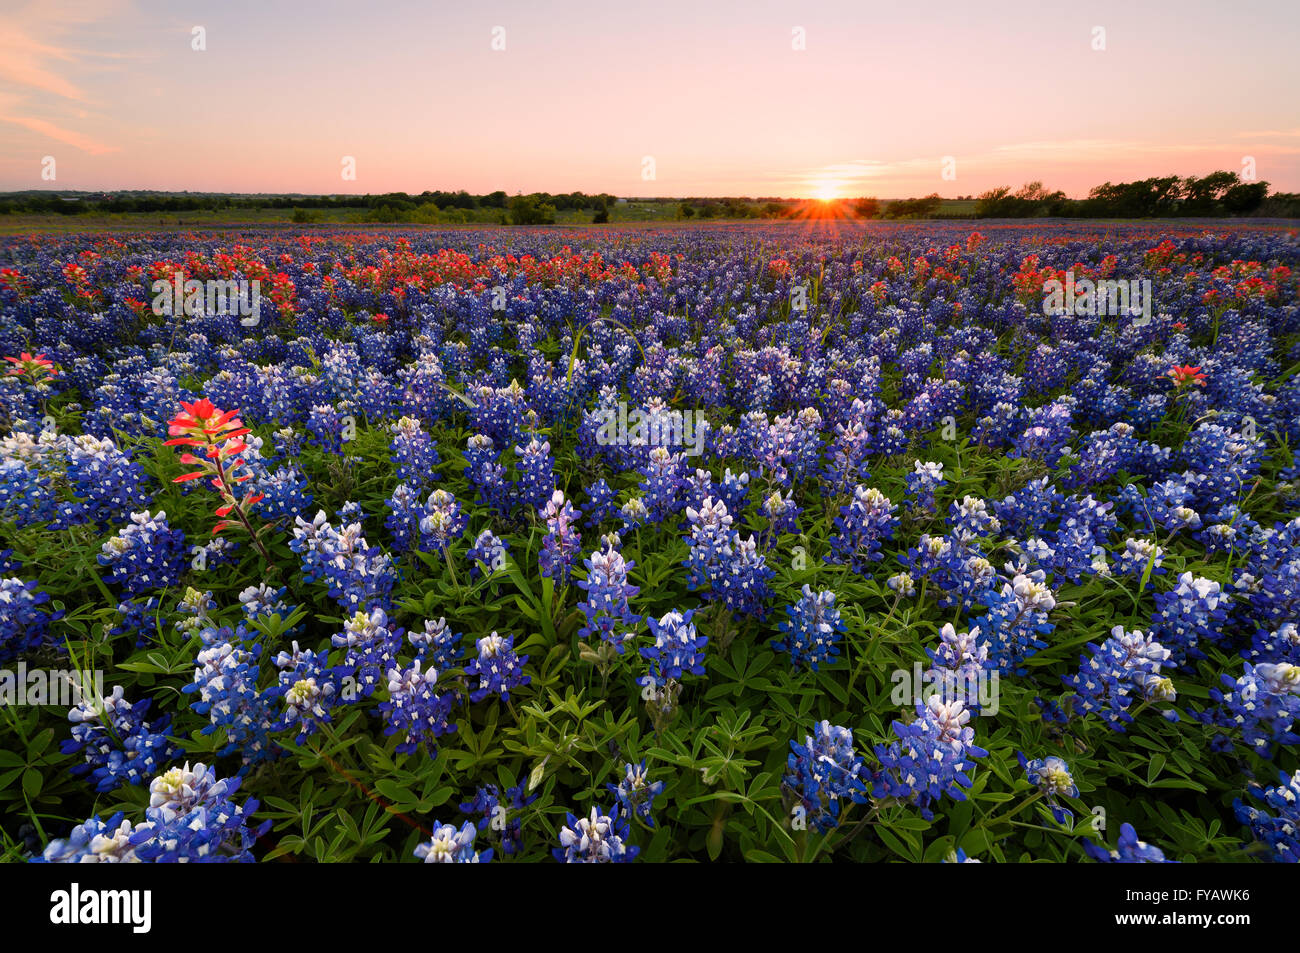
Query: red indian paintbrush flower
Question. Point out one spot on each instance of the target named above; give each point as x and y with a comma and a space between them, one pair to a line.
32, 367
1184, 374
219, 436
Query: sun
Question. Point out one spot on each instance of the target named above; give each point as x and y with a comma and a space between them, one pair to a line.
826, 191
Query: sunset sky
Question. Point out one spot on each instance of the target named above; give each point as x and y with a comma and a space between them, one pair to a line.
715, 92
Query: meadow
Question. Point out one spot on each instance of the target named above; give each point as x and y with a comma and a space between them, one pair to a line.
772, 543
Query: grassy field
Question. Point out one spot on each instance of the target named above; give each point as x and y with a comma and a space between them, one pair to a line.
623, 213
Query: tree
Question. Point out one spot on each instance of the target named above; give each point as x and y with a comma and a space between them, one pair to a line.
530, 210
866, 208
1244, 197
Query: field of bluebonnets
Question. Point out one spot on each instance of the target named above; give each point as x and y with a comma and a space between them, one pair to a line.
716, 544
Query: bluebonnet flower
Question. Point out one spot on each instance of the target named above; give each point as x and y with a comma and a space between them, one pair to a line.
932, 757
442, 523
600, 503
742, 586
1051, 775
662, 484
1262, 705
192, 818
360, 576
505, 822
148, 554
781, 513
677, 650
561, 544
824, 773
922, 482
1187, 616
1280, 832
636, 793
498, 669
225, 683
1123, 668
414, 452
536, 472
1280, 645
971, 518
451, 846
598, 839
959, 664
416, 710
1017, 617
437, 646
606, 607
407, 510
486, 474
309, 688
711, 534
1136, 555
633, 512
812, 633
262, 602
1128, 850
24, 623
371, 647
119, 746
860, 528
488, 549
94, 841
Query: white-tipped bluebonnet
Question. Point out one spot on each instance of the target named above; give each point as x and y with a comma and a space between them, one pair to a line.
501, 814
371, 647
861, 527
812, 633
489, 550
360, 576
1128, 850
437, 646
24, 622
606, 607
1280, 832
451, 846
119, 746
1124, 668
561, 544
678, 649
148, 554
442, 524
636, 793
1261, 706
94, 841
225, 685
414, 452
1051, 775
922, 482
309, 689
1137, 555
415, 710
1188, 615
535, 466
498, 668
262, 602
826, 772
192, 818
932, 757
597, 839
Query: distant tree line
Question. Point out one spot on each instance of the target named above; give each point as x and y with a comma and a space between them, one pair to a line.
1217, 194
392, 206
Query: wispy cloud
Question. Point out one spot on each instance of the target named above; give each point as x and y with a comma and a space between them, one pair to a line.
39, 64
